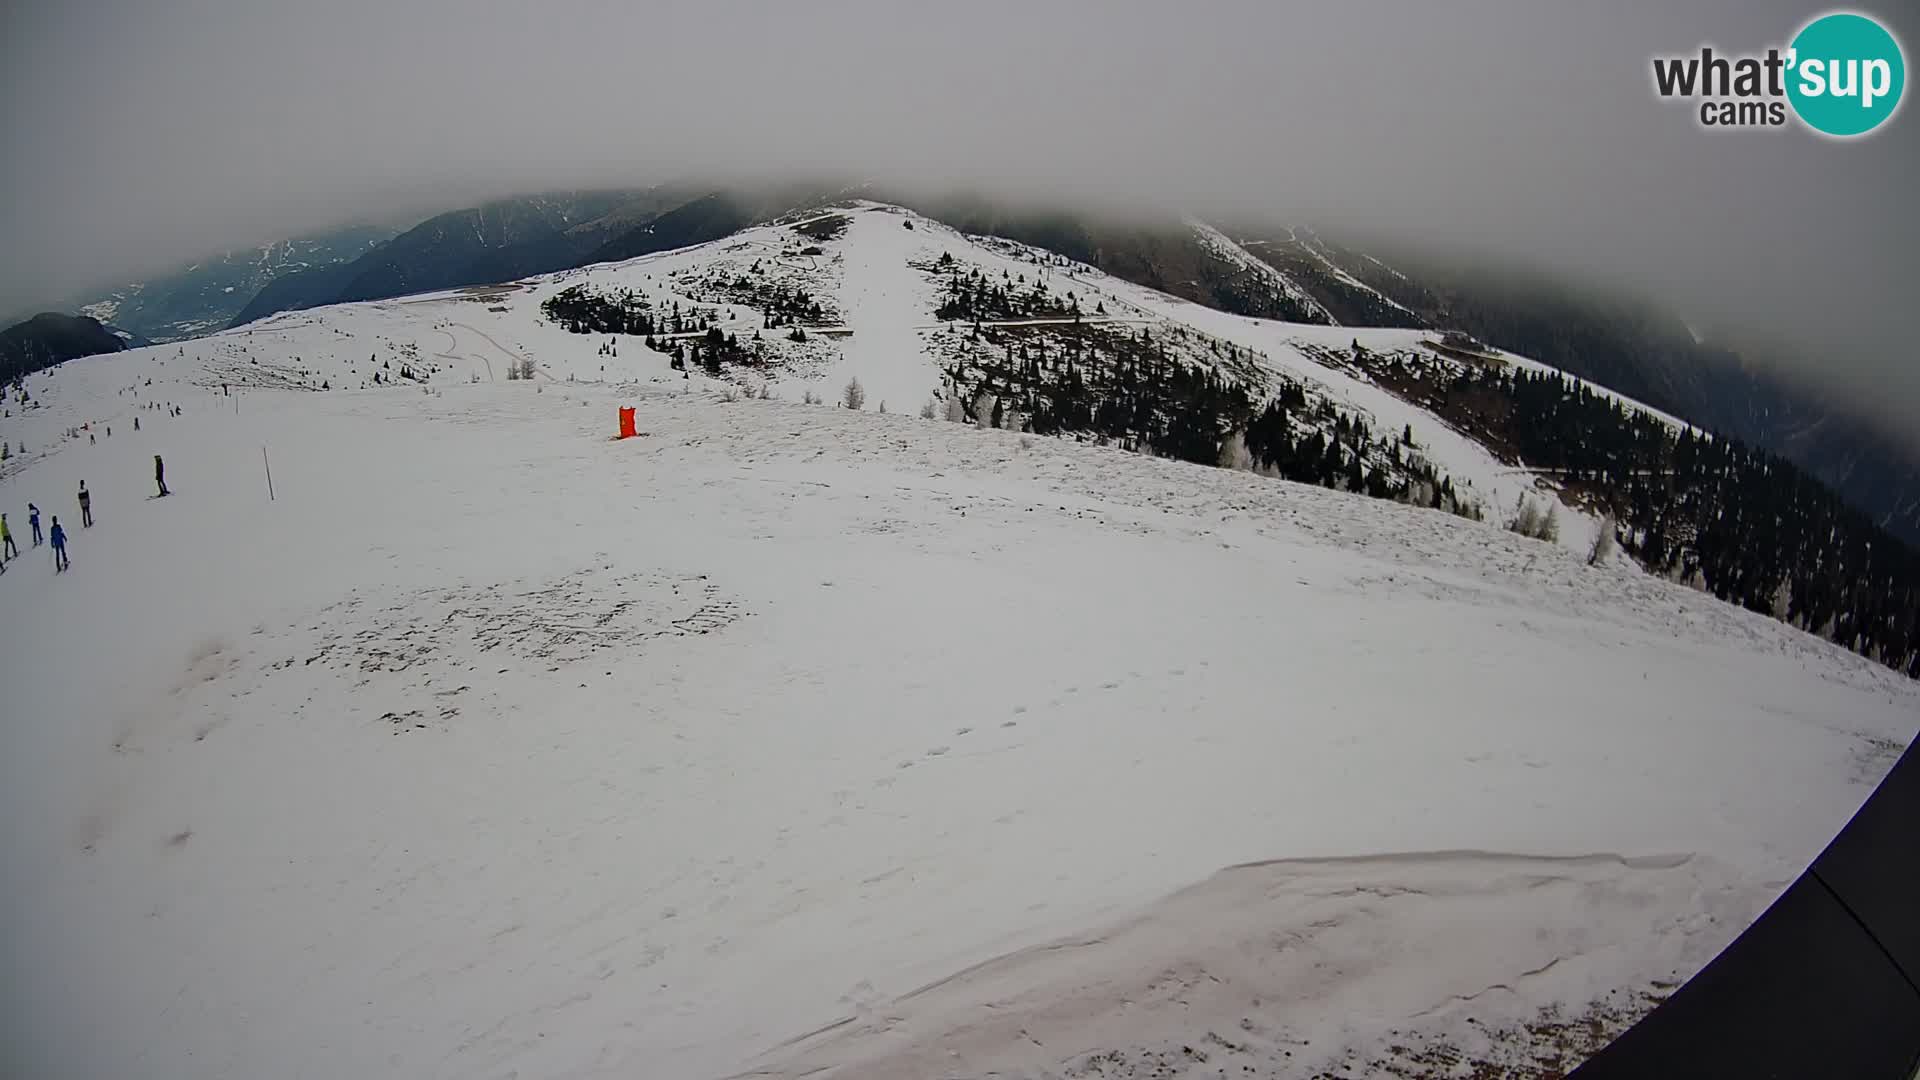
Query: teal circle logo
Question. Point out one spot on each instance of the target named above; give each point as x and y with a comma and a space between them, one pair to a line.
1846, 74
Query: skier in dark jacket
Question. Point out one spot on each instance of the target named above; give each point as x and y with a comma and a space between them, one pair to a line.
86, 507
58, 536
160, 474
33, 522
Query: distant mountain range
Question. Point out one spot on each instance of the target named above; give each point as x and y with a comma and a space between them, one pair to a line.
204, 297
521, 237
499, 241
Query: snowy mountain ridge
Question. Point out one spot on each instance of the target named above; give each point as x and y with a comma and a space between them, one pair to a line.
427, 730
992, 331
900, 350
204, 297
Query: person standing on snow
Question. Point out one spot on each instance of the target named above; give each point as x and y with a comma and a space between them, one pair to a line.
59, 538
8, 549
33, 522
86, 508
160, 475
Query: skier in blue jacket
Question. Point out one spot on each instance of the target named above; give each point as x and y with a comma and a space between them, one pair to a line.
33, 522
58, 537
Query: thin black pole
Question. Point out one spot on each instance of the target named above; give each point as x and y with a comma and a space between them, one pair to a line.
269, 467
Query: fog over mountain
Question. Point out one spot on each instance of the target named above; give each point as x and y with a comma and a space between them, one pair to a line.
140, 135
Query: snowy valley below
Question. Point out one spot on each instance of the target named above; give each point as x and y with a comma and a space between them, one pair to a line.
788, 740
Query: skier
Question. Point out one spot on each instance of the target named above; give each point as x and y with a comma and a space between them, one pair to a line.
160, 475
86, 508
33, 521
136, 423
8, 549
58, 536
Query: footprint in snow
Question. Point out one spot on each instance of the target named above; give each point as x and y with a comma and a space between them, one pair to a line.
938, 751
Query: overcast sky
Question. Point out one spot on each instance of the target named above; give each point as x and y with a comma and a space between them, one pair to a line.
142, 133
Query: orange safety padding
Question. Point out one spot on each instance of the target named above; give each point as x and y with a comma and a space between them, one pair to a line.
626, 423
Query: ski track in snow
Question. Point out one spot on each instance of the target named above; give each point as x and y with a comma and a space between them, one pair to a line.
493, 747
889, 302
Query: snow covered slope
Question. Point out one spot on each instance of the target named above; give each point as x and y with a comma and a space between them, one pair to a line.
787, 738
1221, 245
878, 274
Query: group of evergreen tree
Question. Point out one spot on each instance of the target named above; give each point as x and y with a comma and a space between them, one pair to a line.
790, 307
781, 305
829, 227
581, 310
1745, 525
712, 352
1315, 443
1128, 388
972, 296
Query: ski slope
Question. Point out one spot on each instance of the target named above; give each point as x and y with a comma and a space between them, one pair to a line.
875, 276
789, 741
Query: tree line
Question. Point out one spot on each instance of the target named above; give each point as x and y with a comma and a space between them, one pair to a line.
780, 304
712, 351
973, 296
580, 310
1741, 523
1129, 389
